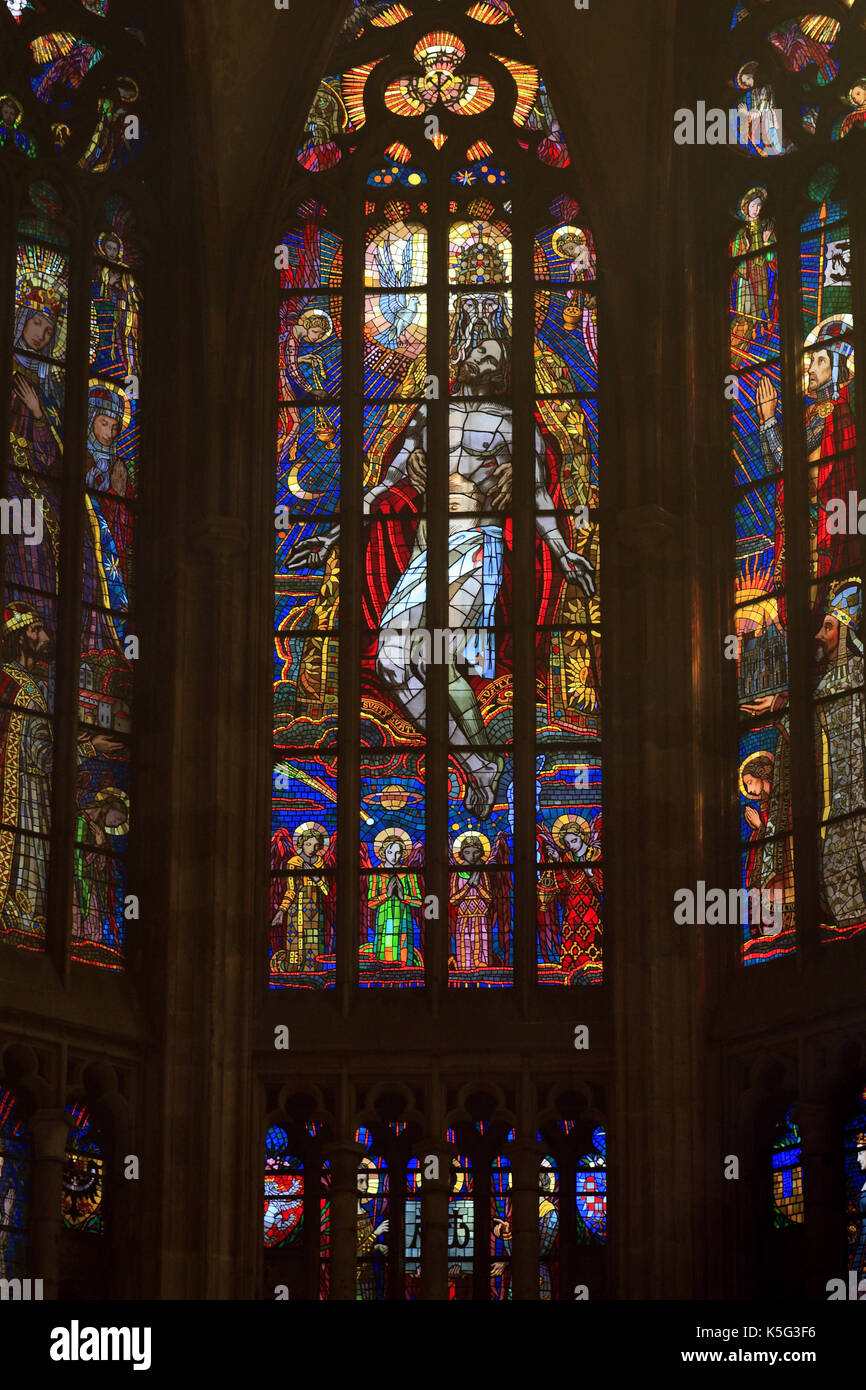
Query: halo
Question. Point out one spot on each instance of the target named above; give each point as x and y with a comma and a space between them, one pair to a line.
759, 191
818, 337
858, 82
562, 823
103, 386
319, 314
111, 234
368, 1166
310, 827
752, 67
459, 1174
457, 843
131, 84
758, 753
391, 832
7, 96
114, 793
560, 235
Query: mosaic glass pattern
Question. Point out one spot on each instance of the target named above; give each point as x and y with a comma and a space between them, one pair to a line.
83, 1174
15, 1177
434, 348
787, 1174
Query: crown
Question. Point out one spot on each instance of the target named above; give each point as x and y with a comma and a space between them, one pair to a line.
19, 615
844, 600
43, 299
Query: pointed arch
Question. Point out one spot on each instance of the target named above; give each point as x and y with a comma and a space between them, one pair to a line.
796, 322
437, 632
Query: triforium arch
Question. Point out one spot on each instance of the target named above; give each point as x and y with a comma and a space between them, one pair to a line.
453, 1190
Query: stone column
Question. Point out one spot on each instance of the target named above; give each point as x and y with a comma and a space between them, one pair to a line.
824, 1225
434, 1223
48, 1129
344, 1159
525, 1162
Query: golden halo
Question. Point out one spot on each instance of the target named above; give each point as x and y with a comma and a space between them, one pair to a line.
758, 753
110, 235
759, 191
457, 844
114, 793
391, 832
7, 96
98, 382
310, 827
368, 1166
460, 1176
561, 234
562, 823
317, 314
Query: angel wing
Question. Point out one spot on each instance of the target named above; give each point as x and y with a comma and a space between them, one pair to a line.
415, 857
406, 268
595, 837
385, 268
547, 848
329, 900
366, 914
500, 904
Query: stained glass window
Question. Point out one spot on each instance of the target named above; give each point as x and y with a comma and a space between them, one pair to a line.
798, 543
296, 1229
437, 448
15, 1169
83, 1173
69, 537
787, 1174
855, 1183
372, 1219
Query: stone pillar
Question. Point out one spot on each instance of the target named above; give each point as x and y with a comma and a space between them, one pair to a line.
824, 1225
434, 1223
48, 1129
344, 1159
525, 1162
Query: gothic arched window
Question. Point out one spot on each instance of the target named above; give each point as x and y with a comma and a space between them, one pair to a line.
83, 1174
15, 1169
798, 223
437, 642
70, 134
787, 1163
296, 1210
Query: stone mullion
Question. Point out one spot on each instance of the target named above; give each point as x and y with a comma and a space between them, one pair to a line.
823, 1215
49, 1129
351, 560
482, 1184
68, 645
525, 1165
344, 1159
8, 240
800, 648
523, 615
434, 1223
436, 510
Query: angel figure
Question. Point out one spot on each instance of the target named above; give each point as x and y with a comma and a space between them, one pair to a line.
571, 895
480, 902
400, 310
393, 899
301, 917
